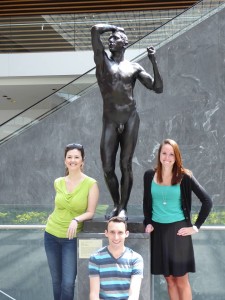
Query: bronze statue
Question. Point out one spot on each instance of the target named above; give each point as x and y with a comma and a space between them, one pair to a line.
116, 79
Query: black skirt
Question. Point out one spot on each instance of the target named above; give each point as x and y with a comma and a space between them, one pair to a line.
171, 254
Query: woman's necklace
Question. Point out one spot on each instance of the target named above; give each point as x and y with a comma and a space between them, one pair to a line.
166, 180
164, 195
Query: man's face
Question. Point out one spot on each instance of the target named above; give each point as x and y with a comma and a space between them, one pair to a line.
116, 234
116, 42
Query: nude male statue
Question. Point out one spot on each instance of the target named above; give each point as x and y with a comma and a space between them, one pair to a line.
116, 79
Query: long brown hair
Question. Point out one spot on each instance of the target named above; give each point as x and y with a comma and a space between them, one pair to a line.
178, 169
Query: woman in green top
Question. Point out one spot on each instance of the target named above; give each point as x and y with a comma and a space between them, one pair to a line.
75, 201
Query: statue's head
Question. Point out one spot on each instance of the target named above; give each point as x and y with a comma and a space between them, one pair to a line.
123, 37
115, 40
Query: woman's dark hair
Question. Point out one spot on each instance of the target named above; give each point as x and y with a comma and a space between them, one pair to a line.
72, 147
178, 169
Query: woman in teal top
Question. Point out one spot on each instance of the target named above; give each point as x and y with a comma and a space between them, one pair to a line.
75, 201
167, 216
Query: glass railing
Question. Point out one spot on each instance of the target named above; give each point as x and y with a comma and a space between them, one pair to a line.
178, 25
55, 101
72, 91
25, 275
23, 267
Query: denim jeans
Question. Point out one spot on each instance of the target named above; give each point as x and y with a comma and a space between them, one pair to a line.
62, 260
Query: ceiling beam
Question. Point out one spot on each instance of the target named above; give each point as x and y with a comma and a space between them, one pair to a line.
43, 7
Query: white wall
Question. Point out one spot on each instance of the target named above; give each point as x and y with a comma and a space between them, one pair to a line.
50, 64
45, 64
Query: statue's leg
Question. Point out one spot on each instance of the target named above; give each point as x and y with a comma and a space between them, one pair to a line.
109, 146
128, 140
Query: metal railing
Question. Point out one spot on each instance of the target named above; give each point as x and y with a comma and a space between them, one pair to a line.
19, 227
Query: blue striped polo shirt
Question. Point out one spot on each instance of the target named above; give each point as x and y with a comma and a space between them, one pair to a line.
115, 274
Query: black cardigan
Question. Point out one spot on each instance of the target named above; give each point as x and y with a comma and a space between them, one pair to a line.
188, 184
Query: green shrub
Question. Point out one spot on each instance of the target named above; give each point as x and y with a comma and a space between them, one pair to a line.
214, 218
31, 217
39, 216
18, 216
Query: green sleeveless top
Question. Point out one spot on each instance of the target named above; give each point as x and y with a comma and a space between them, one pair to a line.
68, 206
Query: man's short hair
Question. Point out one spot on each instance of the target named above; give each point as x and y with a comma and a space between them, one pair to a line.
117, 219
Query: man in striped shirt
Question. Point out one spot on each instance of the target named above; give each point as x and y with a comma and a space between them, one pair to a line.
115, 271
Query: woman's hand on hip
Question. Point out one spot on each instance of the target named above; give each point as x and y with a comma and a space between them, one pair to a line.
186, 231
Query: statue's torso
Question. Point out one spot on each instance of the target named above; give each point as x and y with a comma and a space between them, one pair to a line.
116, 82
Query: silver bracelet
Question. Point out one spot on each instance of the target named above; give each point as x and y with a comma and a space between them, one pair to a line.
195, 228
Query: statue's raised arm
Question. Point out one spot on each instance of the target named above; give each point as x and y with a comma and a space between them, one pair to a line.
96, 32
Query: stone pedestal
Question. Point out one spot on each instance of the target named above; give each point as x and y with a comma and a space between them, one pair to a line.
93, 238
